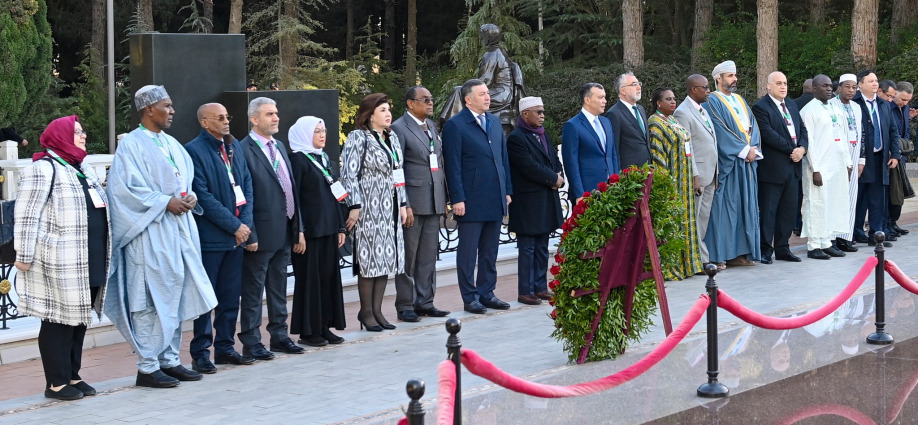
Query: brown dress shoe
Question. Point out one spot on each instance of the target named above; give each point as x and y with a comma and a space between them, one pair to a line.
529, 300
740, 261
544, 295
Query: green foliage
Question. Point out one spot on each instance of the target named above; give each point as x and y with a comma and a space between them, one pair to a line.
587, 28
91, 98
25, 49
592, 224
195, 21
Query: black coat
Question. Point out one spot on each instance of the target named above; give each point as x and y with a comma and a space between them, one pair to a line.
776, 165
269, 208
321, 213
888, 132
536, 207
631, 144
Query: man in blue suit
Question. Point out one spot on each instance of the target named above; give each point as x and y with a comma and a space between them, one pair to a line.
588, 143
478, 176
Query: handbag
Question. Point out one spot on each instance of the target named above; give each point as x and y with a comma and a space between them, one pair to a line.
907, 191
906, 145
896, 192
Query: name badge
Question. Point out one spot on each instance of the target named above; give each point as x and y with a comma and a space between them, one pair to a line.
398, 175
97, 200
434, 162
240, 197
338, 191
853, 142
688, 148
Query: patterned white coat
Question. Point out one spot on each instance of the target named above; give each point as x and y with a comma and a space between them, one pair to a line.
52, 235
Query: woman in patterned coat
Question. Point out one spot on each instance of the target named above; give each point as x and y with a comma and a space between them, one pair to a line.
373, 176
670, 148
62, 252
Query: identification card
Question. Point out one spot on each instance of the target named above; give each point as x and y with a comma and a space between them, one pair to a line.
338, 191
398, 175
97, 200
688, 148
240, 197
434, 162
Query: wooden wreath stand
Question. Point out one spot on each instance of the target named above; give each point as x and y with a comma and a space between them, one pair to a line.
623, 265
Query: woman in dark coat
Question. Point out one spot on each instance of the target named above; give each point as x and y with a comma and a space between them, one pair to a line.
318, 303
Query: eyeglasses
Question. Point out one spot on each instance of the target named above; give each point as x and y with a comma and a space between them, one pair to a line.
705, 88
634, 84
427, 100
537, 112
221, 118
320, 131
79, 132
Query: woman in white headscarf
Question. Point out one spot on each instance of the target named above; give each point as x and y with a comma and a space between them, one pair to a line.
318, 303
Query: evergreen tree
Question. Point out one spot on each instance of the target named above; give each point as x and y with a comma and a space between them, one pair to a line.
25, 46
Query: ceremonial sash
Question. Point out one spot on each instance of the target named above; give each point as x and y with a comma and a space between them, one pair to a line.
739, 124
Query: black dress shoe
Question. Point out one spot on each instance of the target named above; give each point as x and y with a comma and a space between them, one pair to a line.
69, 392
312, 341
179, 372
862, 239
157, 379
529, 300
203, 366
872, 242
475, 307
332, 338
233, 358
845, 246
257, 352
286, 345
84, 388
899, 230
495, 303
766, 261
833, 251
818, 254
432, 312
787, 256
891, 237
408, 316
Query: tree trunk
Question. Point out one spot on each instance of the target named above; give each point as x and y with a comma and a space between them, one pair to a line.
235, 21
145, 16
704, 12
97, 43
864, 22
766, 32
411, 74
902, 14
288, 40
349, 51
633, 33
208, 16
391, 39
817, 13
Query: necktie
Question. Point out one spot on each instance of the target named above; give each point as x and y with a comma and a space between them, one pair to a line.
426, 130
788, 122
283, 177
637, 116
877, 137
599, 132
482, 123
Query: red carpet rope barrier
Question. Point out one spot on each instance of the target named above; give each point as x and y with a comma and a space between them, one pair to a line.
446, 392
899, 276
846, 412
485, 369
757, 319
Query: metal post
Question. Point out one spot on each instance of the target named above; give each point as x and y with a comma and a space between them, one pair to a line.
713, 388
880, 337
453, 345
415, 412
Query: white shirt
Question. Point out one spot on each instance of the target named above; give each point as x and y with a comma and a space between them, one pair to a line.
790, 121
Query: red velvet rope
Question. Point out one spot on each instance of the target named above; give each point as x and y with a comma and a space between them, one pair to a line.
846, 412
446, 392
899, 276
733, 306
485, 369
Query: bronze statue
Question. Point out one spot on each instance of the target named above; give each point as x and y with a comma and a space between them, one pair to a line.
503, 78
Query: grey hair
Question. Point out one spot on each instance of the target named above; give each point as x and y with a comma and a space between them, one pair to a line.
905, 86
620, 81
257, 102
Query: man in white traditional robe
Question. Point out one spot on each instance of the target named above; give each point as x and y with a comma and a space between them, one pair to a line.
157, 279
847, 88
827, 169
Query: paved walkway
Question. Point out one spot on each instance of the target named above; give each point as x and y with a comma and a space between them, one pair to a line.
363, 380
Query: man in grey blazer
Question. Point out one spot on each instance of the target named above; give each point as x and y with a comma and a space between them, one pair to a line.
425, 185
693, 117
629, 123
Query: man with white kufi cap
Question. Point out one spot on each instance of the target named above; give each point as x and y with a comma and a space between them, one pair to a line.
733, 230
157, 280
847, 88
535, 172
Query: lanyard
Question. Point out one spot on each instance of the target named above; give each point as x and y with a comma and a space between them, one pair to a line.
834, 117
852, 125
322, 167
260, 146
227, 164
166, 152
393, 152
64, 163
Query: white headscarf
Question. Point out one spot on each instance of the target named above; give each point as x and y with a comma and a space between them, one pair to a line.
301, 133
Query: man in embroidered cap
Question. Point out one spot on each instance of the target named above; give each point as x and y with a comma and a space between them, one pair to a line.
535, 172
157, 280
847, 88
733, 230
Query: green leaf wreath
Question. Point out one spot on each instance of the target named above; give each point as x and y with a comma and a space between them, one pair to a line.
590, 225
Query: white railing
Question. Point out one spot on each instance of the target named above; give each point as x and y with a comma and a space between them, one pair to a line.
11, 166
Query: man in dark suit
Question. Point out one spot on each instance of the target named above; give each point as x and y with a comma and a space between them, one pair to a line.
784, 142
224, 188
629, 122
880, 151
425, 184
478, 176
277, 226
588, 144
536, 174
902, 114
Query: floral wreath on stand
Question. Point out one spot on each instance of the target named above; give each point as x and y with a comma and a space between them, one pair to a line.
590, 226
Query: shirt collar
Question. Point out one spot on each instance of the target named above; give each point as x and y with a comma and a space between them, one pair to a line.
260, 138
590, 117
777, 102
422, 122
628, 104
